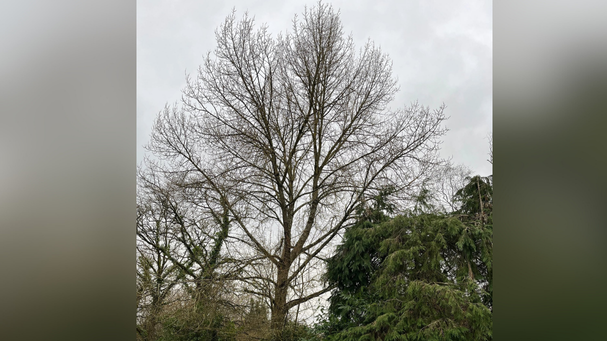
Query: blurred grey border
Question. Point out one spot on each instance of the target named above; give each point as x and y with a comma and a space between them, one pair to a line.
550, 93
67, 170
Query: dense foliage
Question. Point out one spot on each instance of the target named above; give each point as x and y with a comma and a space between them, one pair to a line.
418, 276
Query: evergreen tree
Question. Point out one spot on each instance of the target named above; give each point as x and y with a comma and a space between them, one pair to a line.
419, 276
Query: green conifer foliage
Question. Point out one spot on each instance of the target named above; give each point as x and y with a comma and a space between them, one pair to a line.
420, 276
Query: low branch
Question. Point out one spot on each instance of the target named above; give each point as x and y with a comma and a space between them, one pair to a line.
301, 300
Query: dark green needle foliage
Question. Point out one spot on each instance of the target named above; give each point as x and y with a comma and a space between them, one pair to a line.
418, 276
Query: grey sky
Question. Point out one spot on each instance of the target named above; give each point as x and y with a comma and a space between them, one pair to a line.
441, 50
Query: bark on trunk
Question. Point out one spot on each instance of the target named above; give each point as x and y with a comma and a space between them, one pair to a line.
279, 307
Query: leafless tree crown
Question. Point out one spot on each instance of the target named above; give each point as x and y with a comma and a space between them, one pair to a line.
288, 134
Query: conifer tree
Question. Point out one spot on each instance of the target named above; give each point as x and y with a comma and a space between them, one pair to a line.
418, 276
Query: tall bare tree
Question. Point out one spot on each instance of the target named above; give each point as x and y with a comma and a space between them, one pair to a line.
290, 133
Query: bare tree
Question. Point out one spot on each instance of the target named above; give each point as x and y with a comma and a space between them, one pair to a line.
156, 273
193, 229
290, 134
183, 268
447, 179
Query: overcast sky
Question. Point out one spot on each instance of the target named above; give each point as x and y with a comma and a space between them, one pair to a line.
441, 50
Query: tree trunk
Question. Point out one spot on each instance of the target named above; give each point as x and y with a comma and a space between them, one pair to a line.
279, 307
